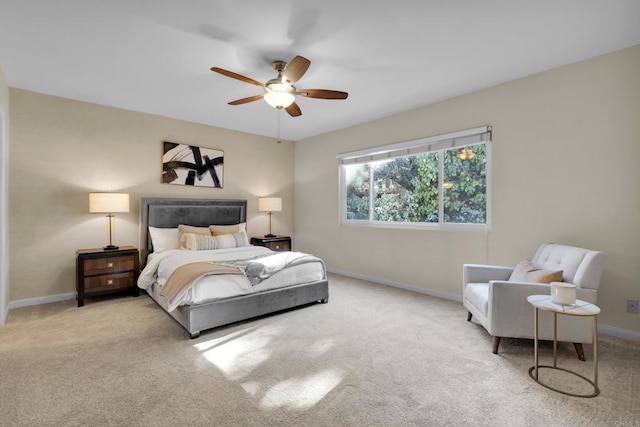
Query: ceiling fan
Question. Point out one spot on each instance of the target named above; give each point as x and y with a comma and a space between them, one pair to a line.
279, 92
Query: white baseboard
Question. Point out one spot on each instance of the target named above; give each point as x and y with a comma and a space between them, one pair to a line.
602, 329
395, 284
618, 332
40, 300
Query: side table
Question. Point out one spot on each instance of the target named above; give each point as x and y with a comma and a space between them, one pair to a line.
580, 308
100, 271
275, 243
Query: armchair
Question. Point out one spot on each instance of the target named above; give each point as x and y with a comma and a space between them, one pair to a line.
501, 306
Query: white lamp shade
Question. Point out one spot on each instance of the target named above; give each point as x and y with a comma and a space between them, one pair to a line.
270, 204
108, 202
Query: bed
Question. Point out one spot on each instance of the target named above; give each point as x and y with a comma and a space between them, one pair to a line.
235, 300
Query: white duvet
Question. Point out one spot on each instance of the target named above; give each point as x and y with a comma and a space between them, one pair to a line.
160, 266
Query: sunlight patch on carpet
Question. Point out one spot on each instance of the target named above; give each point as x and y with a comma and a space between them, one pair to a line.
205, 345
251, 387
319, 348
238, 357
301, 393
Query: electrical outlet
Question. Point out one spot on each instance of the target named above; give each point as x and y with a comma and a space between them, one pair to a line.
632, 306
316, 252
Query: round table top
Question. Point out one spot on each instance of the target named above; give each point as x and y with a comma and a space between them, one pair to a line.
580, 308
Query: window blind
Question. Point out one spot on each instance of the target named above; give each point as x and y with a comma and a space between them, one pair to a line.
459, 139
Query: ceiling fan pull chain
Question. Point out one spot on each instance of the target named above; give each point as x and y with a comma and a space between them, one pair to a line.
278, 136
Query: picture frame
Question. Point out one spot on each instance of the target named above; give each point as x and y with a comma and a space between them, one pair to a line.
184, 164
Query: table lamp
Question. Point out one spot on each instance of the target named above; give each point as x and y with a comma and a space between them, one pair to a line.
109, 203
271, 205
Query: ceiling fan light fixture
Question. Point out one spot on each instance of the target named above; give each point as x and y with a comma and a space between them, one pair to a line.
279, 92
279, 95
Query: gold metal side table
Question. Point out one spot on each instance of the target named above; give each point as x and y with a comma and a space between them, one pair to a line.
580, 308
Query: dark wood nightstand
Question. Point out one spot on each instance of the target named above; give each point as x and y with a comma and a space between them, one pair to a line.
100, 271
277, 243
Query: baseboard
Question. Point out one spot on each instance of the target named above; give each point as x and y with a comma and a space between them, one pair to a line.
40, 300
602, 329
618, 332
395, 284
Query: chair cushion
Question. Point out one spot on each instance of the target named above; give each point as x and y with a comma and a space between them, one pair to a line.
478, 295
527, 271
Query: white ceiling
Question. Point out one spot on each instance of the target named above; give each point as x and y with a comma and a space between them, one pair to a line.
154, 55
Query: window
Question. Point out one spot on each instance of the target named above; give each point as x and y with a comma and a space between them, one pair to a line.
440, 182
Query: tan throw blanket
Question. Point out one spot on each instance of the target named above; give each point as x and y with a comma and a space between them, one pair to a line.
183, 277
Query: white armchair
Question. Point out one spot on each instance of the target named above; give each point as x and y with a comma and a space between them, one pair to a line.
501, 305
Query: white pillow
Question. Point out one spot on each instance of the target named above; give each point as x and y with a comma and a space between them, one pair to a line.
199, 242
164, 239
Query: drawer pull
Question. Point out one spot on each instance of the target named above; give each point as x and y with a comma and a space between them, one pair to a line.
277, 246
110, 265
110, 282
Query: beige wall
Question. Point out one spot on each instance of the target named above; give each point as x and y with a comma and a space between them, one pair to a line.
566, 145
4, 197
62, 149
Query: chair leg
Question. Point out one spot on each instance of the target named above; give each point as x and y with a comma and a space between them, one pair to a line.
468, 316
496, 344
579, 350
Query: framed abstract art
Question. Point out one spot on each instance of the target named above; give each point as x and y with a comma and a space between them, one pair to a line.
184, 164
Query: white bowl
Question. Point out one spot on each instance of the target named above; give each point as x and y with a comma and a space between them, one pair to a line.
563, 293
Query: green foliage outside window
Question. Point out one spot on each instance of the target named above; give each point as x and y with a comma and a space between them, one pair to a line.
357, 179
405, 189
465, 200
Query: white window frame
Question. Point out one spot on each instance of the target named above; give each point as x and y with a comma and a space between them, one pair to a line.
439, 144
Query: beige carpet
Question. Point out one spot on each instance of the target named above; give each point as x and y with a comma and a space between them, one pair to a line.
373, 356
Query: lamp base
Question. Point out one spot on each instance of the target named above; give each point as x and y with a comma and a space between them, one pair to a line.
269, 235
110, 248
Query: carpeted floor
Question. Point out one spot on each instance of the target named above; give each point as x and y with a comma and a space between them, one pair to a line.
373, 356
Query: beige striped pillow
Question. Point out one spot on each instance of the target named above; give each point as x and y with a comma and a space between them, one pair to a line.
200, 242
190, 229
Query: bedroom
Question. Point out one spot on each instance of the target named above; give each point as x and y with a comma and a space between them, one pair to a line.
565, 148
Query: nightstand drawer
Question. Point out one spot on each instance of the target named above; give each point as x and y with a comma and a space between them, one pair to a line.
279, 246
109, 282
108, 265
102, 271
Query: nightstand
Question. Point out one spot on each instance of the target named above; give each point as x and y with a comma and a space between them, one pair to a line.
100, 271
276, 243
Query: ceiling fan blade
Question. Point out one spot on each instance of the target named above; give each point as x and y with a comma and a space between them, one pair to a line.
322, 93
236, 76
245, 100
294, 110
296, 68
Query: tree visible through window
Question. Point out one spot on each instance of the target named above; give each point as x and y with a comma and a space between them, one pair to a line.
406, 189
357, 178
465, 186
446, 186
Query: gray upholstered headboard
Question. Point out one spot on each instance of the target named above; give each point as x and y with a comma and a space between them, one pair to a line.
169, 213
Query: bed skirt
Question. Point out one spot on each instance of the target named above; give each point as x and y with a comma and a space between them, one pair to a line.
200, 317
